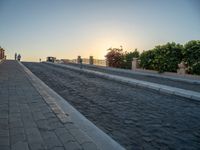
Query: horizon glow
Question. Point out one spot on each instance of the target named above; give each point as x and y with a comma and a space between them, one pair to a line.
66, 29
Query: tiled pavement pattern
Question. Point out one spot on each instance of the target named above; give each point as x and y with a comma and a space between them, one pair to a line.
136, 117
27, 122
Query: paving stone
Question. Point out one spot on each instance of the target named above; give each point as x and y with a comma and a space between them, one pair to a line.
14, 116
4, 132
33, 136
89, 146
4, 114
43, 125
58, 148
49, 115
47, 110
70, 126
4, 141
72, 146
20, 146
64, 135
16, 124
4, 147
80, 136
17, 138
54, 123
38, 116
15, 131
4, 123
37, 146
50, 139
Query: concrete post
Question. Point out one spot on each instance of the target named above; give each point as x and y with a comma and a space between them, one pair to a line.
107, 64
182, 68
79, 59
135, 63
91, 60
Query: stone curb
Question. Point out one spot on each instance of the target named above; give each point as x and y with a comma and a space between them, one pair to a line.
144, 73
101, 139
133, 82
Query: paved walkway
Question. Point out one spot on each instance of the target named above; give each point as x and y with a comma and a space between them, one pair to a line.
27, 122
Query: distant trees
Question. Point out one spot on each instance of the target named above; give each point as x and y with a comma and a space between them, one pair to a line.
161, 58
147, 60
191, 55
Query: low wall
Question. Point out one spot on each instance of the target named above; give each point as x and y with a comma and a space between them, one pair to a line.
190, 76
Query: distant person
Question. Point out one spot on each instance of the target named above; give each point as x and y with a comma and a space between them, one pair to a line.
40, 60
15, 56
19, 57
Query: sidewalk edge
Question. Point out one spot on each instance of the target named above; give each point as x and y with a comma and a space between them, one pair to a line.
101, 139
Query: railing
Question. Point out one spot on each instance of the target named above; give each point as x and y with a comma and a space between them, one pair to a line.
98, 62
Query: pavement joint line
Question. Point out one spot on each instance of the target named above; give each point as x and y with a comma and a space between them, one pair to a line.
101, 139
158, 87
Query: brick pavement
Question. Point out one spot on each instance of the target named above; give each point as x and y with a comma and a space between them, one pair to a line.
28, 122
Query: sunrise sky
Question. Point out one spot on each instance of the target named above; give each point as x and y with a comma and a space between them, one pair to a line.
68, 28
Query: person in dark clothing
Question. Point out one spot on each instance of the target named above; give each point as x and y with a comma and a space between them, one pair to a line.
19, 57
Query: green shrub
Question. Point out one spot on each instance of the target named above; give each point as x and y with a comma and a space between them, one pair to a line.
162, 58
167, 57
146, 59
191, 55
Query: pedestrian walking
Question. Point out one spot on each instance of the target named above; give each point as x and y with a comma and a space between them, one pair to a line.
15, 56
19, 57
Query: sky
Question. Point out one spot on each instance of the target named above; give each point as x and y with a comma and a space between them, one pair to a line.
68, 28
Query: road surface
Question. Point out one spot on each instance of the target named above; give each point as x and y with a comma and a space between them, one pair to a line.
137, 118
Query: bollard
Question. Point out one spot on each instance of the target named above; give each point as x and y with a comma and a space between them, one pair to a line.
91, 60
107, 63
78, 59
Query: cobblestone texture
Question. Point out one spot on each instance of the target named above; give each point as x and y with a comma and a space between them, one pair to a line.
178, 84
135, 117
27, 122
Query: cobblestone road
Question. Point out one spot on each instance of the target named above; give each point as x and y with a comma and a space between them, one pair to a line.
178, 84
137, 118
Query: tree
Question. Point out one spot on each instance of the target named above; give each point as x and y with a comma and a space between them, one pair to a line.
115, 58
167, 57
163, 57
146, 59
191, 55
